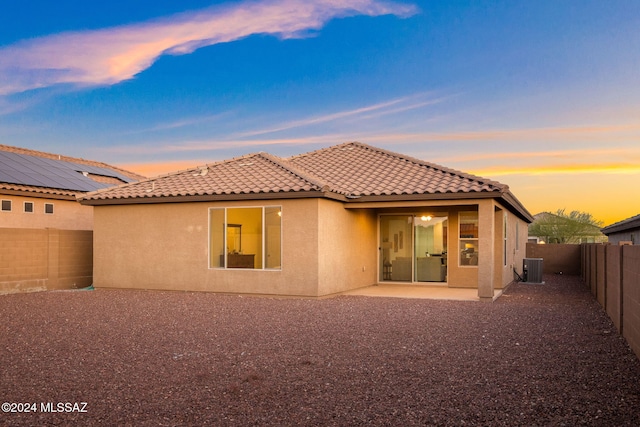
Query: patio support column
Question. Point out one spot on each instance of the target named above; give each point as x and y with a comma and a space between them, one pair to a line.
486, 252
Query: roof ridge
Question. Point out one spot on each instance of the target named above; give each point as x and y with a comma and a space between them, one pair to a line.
466, 175
319, 150
275, 160
200, 167
162, 176
297, 170
502, 187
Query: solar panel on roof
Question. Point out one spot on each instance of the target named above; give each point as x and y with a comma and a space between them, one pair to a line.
5, 176
25, 169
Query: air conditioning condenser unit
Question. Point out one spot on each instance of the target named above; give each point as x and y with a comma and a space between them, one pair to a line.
532, 269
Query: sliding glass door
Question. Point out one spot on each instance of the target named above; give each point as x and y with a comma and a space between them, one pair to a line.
430, 255
413, 248
396, 248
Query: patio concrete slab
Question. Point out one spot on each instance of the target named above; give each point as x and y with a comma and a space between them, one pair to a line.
419, 292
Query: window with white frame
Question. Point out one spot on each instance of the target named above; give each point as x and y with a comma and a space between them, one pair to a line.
245, 237
48, 208
6, 205
28, 207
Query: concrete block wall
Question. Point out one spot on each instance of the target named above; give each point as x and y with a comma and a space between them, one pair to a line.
601, 263
613, 281
41, 259
557, 258
631, 296
613, 275
75, 259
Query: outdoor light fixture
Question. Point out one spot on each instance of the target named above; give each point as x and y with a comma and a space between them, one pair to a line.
426, 217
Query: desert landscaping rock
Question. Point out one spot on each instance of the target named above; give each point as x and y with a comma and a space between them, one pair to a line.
540, 355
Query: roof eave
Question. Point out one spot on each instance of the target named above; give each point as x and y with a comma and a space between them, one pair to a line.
517, 207
421, 196
38, 194
628, 226
206, 198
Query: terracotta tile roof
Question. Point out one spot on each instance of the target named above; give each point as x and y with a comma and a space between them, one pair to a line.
40, 190
357, 169
347, 172
259, 173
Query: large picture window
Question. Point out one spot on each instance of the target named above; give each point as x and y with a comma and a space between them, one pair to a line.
245, 238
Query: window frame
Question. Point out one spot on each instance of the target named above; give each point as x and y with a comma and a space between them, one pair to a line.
505, 244
2, 204
462, 240
45, 209
33, 206
225, 223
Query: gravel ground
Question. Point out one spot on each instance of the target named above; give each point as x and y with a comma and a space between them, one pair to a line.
540, 355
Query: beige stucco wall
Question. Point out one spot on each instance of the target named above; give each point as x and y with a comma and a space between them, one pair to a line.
517, 230
67, 214
325, 248
459, 276
347, 247
165, 246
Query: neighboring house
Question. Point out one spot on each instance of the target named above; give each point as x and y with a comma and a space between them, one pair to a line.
45, 234
553, 228
624, 232
39, 190
315, 224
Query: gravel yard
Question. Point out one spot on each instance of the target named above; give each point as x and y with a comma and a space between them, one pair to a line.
540, 355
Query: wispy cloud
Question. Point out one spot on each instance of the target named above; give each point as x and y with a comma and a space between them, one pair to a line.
181, 123
109, 56
368, 112
252, 139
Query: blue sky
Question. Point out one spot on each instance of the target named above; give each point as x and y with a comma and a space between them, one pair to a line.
541, 95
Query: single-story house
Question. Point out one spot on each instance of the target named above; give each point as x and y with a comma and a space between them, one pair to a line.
626, 231
314, 224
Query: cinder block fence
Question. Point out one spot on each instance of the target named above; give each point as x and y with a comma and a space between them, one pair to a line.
613, 275
44, 259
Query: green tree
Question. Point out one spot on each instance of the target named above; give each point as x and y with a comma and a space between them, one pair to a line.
560, 227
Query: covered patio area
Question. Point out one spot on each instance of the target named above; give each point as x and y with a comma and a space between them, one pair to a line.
436, 292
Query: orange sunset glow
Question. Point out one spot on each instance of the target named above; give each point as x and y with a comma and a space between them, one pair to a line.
541, 96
